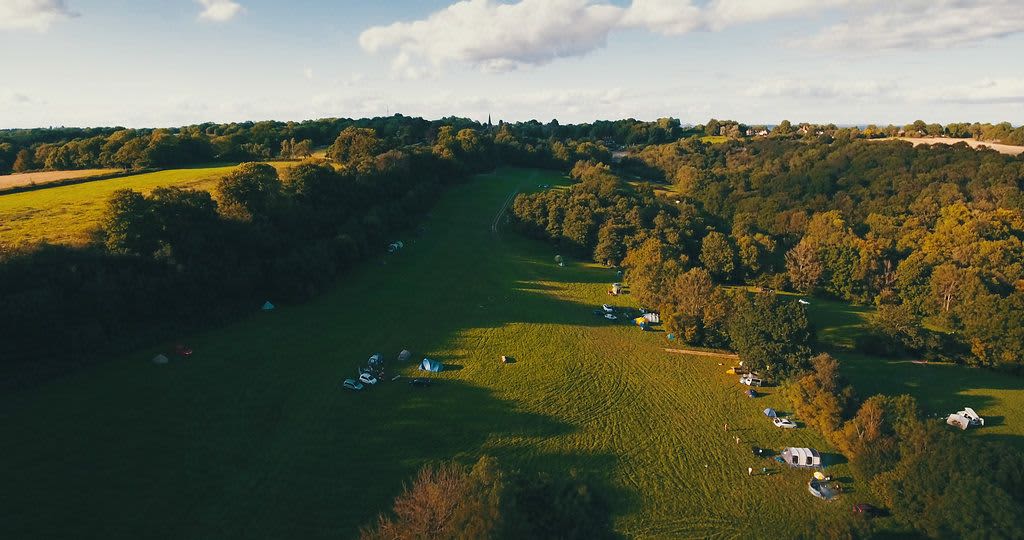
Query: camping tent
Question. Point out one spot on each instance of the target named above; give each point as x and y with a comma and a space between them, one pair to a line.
404, 355
267, 306
160, 359
770, 413
821, 489
431, 365
640, 321
801, 457
652, 317
751, 393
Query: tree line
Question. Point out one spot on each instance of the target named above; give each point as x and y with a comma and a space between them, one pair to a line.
175, 259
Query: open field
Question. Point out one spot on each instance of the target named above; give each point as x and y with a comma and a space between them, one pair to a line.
66, 214
1001, 148
253, 437
45, 177
714, 139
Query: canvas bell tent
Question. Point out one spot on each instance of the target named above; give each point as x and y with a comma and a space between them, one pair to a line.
431, 365
770, 413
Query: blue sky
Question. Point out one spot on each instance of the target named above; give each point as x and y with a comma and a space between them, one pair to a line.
173, 62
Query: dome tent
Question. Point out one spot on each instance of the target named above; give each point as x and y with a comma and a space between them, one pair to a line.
404, 356
160, 359
431, 365
267, 306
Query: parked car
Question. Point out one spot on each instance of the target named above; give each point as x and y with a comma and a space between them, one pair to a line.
420, 382
751, 380
367, 378
783, 423
866, 510
352, 384
607, 308
610, 317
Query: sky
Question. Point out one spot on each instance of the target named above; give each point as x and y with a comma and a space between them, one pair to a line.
153, 63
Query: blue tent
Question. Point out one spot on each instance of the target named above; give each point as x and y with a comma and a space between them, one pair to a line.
770, 413
671, 337
267, 306
431, 365
751, 393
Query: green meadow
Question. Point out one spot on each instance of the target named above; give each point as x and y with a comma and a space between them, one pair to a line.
253, 435
67, 214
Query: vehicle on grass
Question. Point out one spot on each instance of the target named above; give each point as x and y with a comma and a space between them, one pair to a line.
420, 382
783, 423
607, 308
182, 351
610, 317
751, 380
352, 384
866, 509
367, 378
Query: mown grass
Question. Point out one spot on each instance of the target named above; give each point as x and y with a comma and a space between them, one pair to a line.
253, 437
714, 139
67, 214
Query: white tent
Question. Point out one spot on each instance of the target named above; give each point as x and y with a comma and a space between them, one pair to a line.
160, 359
801, 457
965, 419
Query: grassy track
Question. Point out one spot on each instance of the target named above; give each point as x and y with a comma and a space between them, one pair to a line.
66, 214
252, 436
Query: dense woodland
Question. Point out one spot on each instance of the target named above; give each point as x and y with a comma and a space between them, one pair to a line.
930, 235
934, 236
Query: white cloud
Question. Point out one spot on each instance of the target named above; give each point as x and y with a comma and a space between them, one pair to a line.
495, 36
219, 10
823, 90
985, 91
308, 73
35, 15
924, 24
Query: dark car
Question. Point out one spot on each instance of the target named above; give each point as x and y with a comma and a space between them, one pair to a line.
866, 510
420, 382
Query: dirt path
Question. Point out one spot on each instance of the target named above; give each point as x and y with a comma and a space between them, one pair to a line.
697, 352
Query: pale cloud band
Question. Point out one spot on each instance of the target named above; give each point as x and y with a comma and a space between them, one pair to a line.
219, 10
496, 36
35, 15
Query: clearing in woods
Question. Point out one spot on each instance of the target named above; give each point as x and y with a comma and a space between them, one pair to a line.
66, 214
45, 177
253, 436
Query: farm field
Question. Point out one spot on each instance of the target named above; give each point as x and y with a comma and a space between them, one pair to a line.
66, 214
1007, 149
253, 437
45, 177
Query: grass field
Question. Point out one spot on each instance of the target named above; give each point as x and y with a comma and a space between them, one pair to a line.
714, 139
45, 177
66, 214
252, 436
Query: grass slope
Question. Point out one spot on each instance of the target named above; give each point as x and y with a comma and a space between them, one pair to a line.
66, 214
45, 177
252, 436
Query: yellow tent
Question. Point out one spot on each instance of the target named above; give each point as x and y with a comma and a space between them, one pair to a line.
640, 320
819, 475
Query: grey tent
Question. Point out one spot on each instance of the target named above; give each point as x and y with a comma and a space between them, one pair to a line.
404, 355
267, 306
770, 413
160, 359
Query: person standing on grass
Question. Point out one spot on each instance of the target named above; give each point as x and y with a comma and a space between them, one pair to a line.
727, 426
737, 439
750, 471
